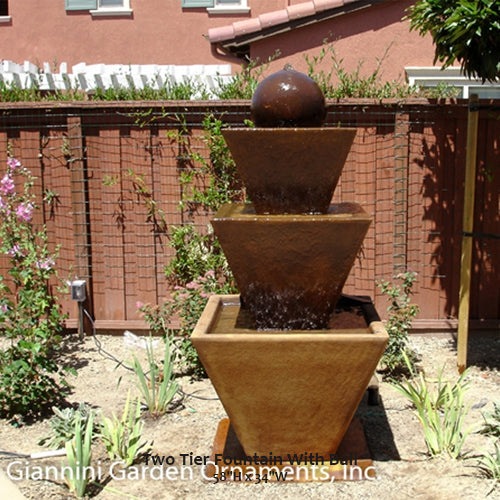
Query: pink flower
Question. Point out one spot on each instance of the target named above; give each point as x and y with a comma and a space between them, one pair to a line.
4, 308
4, 206
192, 285
7, 185
210, 274
24, 211
14, 251
45, 264
139, 305
13, 164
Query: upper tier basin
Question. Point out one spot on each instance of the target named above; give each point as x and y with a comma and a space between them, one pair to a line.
290, 170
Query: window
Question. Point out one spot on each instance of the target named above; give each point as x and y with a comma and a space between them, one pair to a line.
81, 4
229, 7
101, 7
195, 4
112, 8
218, 6
4, 8
453, 77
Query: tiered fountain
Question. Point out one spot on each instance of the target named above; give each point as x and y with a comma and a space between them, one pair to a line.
290, 357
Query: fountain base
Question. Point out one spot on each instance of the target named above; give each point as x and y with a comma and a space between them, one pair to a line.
351, 462
292, 392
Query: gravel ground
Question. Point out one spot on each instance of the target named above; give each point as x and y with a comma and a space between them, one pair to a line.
393, 433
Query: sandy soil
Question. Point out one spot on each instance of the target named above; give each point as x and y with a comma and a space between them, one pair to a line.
403, 469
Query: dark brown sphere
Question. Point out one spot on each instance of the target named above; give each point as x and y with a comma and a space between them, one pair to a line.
288, 98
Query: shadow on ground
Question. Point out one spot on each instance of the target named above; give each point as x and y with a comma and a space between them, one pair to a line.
378, 433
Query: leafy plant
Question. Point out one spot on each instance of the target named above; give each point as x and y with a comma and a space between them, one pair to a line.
337, 82
195, 255
489, 462
30, 315
400, 315
122, 436
199, 267
62, 425
187, 304
78, 456
156, 90
220, 181
155, 215
157, 385
440, 409
467, 31
243, 84
491, 425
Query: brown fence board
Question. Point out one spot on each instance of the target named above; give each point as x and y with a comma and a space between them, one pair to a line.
58, 214
107, 220
129, 248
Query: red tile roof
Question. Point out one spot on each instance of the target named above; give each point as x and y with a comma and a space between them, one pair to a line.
267, 24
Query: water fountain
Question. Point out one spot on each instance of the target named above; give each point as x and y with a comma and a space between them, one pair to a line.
290, 357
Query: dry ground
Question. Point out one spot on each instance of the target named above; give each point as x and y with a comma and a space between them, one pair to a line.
393, 433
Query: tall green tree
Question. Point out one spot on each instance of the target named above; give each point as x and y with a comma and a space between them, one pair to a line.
466, 31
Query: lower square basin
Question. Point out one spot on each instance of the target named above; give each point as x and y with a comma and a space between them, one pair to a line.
292, 391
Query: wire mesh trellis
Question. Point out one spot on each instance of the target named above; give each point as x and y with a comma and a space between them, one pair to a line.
109, 173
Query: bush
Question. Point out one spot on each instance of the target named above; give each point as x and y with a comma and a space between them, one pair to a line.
63, 424
199, 268
440, 409
467, 31
30, 316
401, 312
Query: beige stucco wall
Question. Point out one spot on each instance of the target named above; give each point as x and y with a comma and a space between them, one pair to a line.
362, 37
161, 32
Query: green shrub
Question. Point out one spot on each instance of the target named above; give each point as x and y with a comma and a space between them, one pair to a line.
62, 425
489, 462
78, 457
198, 268
440, 409
30, 316
401, 312
157, 385
491, 424
244, 82
122, 436
464, 31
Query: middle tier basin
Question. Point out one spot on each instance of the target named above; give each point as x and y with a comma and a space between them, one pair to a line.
290, 269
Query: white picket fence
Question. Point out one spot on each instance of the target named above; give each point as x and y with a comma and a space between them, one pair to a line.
93, 76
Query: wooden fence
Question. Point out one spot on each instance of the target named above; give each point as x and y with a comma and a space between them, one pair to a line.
100, 163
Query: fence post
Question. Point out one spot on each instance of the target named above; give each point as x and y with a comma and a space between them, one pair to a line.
467, 228
79, 203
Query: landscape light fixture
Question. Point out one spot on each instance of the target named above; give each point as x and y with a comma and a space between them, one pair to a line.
79, 294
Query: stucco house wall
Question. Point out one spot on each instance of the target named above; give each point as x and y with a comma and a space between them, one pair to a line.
358, 38
163, 32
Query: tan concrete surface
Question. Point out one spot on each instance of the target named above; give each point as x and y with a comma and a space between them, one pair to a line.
8, 488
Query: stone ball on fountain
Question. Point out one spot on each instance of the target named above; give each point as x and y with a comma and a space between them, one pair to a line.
288, 98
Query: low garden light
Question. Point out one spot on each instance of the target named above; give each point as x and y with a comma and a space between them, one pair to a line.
79, 294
